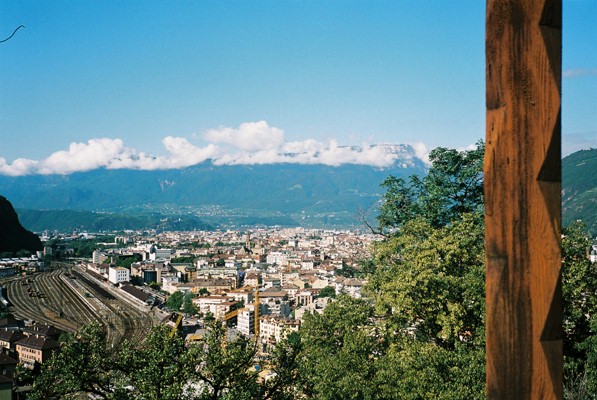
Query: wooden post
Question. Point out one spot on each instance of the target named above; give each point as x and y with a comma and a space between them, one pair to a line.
523, 199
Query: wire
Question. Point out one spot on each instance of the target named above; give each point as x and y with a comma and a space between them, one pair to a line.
15, 31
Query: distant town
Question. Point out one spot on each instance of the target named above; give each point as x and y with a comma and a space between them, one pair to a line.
260, 282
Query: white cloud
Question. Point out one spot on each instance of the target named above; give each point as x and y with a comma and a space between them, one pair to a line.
250, 143
111, 154
250, 136
20, 166
579, 72
94, 154
421, 151
313, 152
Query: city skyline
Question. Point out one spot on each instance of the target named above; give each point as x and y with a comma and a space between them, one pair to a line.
164, 85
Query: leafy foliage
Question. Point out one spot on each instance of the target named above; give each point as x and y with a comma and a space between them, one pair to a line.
283, 365
158, 368
421, 335
339, 352
82, 365
183, 260
175, 300
187, 304
328, 291
127, 261
223, 368
433, 280
453, 187
162, 367
579, 292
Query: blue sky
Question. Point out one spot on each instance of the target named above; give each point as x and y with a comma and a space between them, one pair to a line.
122, 81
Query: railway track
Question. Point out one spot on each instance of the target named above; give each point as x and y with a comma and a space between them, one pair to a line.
54, 298
28, 307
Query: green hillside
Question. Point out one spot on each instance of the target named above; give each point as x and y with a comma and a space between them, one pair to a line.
579, 188
207, 196
68, 220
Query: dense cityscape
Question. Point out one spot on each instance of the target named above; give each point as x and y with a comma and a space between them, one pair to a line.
218, 272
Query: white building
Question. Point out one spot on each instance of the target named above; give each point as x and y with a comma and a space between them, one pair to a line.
167, 281
246, 320
100, 269
117, 275
274, 328
272, 282
96, 257
160, 254
243, 294
276, 257
218, 306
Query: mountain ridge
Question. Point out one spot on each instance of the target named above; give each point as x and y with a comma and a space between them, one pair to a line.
284, 194
205, 196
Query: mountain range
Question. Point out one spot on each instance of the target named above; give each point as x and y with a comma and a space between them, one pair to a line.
207, 196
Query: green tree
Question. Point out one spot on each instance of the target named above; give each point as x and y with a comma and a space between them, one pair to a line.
223, 368
422, 335
340, 352
175, 300
432, 281
81, 366
579, 292
187, 304
454, 184
127, 261
284, 369
23, 253
328, 291
158, 368
183, 260
453, 187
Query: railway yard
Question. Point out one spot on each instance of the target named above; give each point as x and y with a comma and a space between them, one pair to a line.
69, 300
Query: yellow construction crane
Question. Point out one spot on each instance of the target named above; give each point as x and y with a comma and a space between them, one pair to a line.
176, 319
234, 313
256, 310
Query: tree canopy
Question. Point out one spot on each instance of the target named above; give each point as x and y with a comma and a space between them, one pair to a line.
452, 187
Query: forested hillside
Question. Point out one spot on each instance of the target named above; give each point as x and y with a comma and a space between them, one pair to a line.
228, 195
209, 196
579, 188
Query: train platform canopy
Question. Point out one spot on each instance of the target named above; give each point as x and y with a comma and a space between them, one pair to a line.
11, 323
138, 293
48, 331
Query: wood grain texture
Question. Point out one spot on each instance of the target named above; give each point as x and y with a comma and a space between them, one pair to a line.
523, 199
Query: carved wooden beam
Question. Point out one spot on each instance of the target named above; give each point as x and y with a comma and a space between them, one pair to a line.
523, 199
